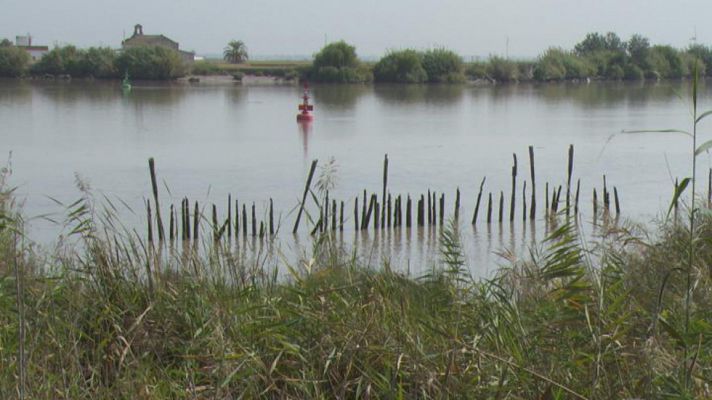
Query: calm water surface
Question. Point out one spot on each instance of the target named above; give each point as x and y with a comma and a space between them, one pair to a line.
212, 140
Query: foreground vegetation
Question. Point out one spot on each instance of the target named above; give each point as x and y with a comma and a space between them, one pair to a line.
106, 315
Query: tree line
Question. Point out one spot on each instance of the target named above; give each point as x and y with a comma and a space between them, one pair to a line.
597, 56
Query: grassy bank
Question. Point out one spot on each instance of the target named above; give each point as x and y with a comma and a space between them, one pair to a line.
106, 316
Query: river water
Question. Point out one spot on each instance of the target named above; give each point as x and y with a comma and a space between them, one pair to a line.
211, 140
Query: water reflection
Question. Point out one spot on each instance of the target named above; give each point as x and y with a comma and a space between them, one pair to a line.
337, 97
305, 130
439, 95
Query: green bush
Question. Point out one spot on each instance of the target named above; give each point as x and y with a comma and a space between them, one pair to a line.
337, 63
632, 72
99, 62
443, 66
402, 66
704, 54
550, 66
477, 70
13, 61
667, 62
205, 68
151, 62
60, 61
502, 70
615, 71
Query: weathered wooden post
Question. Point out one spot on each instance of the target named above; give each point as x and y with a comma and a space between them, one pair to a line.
356, 225
569, 171
385, 185
576, 201
457, 203
489, 209
501, 206
150, 221
154, 187
408, 210
477, 203
532, 207
229, 216
442, 208
304, 196
514, 189
618, 205
196, 222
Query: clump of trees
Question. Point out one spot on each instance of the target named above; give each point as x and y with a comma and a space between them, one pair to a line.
97, 62
338, 63
151, 62
14, 62
411, 66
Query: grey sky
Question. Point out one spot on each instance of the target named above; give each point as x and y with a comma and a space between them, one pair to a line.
284, 27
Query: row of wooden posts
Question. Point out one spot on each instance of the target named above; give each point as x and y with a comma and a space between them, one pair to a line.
427, 209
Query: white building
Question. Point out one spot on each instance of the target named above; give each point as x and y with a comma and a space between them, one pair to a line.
25, 43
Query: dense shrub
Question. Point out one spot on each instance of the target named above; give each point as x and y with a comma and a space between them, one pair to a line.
150, 62
13, 61
477, 70
632, 72
667, 62
558, 64
443, 65
205, 68
704, 54
338, 63
502, 70
403, 66
99, 62
59, 61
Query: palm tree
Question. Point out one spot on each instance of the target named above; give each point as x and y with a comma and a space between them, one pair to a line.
235, 52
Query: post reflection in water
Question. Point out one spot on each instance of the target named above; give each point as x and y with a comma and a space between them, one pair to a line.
305, 130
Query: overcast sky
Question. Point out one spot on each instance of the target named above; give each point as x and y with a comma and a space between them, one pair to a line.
285, 27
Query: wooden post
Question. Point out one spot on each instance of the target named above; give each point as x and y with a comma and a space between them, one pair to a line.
457, 203
154, 186
229, 216
546, 199
326, 211
367, 218
363, 211
333, 214
709, 189
569, 171
304, 196
595, 204
618, 205
421, 211
215, 223
388, 216
532, 207
524, 201
385, 185
196, 222
184, 233
606, 199
435, 208
576, 201
271, 217
408, 210
244, 220
489, 209
376, 219
513, 198
237, 218
356, 225
501, 206
254, 220
341, 217
171, 225
430, 208
477, 203
442, 208
150, 221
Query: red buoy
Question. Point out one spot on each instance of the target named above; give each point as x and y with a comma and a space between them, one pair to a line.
305, 107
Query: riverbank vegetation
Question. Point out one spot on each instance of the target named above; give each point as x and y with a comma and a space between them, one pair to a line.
597, 56
107, 315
